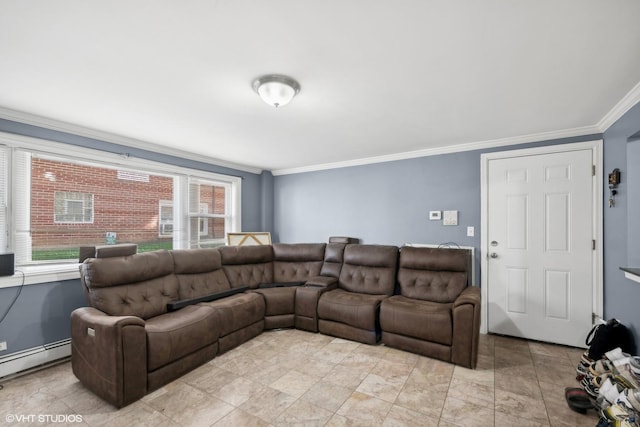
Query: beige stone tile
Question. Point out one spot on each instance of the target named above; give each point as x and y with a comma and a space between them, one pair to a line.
388, 369
559, 361
187, 405
479, 376
401, 417
240, 418
327, 395
312, 366
141, 415
360, 361
555, 373
506, 420
506, 358
268, 404
238, 391
333, 353
209, 378
365, 408
427, 369
466, 414
424, 398
342, 421
519, 385
346, 377
518, 371
267, 374
399, 356
295, 383
478, 394
303, 413
510, 344
385, 388
521, 406
243, 364
546, 349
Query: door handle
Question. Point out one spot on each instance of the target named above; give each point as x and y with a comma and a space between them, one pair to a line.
493, 255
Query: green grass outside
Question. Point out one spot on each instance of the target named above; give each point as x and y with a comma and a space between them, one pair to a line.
72, 253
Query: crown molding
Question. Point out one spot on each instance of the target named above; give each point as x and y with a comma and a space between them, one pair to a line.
479, 145
619, 110
61, 126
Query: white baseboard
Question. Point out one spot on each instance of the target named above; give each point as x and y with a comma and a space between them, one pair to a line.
33, 357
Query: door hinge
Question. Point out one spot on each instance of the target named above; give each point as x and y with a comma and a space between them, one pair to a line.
593, 170
593, 244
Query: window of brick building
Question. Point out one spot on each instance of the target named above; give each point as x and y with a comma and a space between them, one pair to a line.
72, 207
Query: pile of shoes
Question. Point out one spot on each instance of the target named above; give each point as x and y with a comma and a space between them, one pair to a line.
610, 385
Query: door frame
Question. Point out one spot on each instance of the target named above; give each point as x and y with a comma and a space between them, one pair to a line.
597, 212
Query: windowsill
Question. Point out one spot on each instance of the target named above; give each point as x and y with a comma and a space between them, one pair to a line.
631, 273
36, 274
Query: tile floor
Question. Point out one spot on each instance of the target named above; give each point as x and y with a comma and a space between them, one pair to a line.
291, 377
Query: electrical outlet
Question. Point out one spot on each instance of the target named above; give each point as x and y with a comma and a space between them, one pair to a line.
3, 345
471, 231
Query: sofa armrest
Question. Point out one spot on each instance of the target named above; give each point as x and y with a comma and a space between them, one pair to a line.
109, 354
470, 295
466, 328
306, 303
323, 282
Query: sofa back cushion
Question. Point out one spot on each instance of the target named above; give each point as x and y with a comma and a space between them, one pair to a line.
199, 272
297, 262
137, 285
247, 265
369, 269
433, 274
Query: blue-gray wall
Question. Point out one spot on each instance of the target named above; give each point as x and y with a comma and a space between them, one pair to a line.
388, 203
621, 295
41, 313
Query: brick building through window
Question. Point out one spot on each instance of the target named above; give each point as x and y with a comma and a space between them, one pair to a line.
76, 204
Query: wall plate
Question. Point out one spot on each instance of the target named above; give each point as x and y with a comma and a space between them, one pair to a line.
435, 215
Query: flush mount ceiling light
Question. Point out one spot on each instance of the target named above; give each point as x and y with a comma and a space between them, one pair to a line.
275, 89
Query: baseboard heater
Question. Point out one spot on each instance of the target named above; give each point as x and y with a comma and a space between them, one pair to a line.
33, 357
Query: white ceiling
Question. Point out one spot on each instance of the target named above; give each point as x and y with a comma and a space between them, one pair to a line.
379, 78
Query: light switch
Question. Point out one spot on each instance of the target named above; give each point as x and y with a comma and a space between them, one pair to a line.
471, 231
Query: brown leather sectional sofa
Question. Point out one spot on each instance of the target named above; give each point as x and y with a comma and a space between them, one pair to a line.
154, 316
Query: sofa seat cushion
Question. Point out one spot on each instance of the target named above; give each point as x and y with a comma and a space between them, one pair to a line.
279, 300
351, 308
424, 320
238, 311
171, 336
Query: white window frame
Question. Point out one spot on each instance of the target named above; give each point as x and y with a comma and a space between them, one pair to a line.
43, 272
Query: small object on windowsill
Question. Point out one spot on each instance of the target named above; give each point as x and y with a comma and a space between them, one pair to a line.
631, 273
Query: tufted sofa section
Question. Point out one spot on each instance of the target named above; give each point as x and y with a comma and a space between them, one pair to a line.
367, 277
293, 265
240, 316
436, 313
154, 316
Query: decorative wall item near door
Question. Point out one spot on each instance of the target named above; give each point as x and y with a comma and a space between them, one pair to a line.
249, 238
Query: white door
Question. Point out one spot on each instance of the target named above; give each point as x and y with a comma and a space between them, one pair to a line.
539, 236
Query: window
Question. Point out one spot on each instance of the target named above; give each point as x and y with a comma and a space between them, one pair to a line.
53, 202
208, 213
165, 222
70, 207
